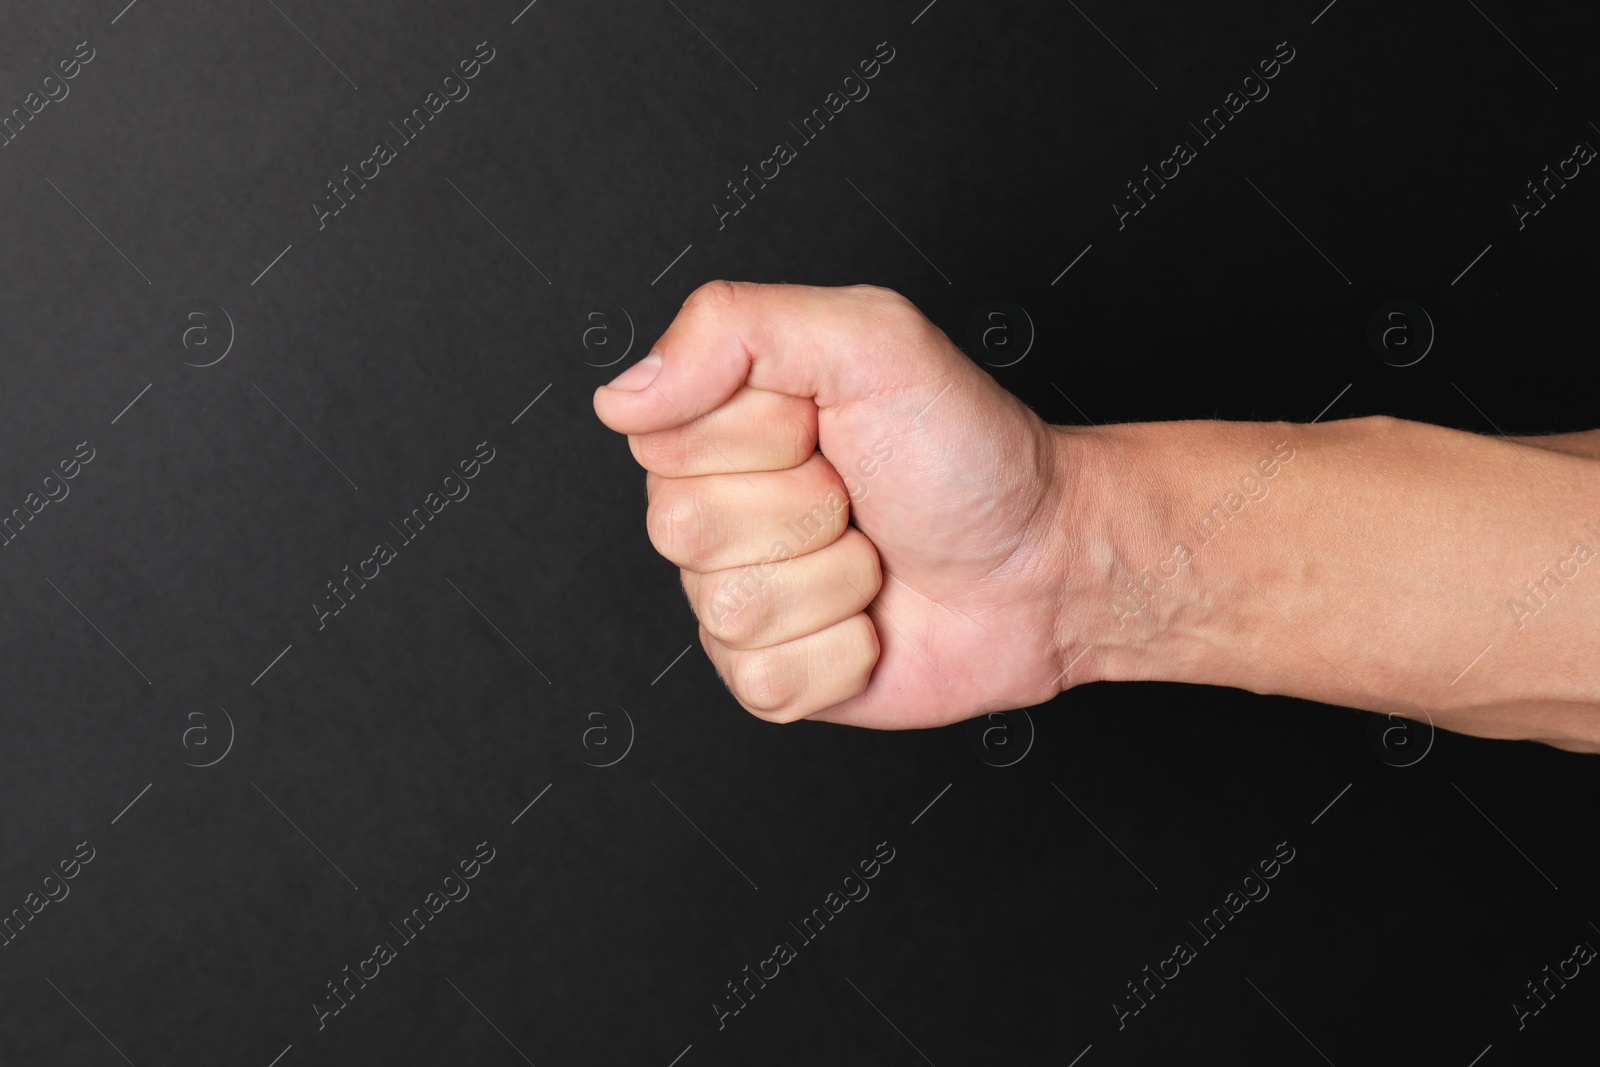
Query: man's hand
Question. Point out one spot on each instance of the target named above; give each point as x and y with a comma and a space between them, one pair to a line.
947, 553
908, 575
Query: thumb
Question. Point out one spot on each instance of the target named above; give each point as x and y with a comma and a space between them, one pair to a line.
832, 345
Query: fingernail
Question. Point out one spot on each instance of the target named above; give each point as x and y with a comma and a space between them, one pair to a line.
639, 375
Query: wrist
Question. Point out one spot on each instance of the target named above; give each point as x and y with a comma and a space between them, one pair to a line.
1155, 583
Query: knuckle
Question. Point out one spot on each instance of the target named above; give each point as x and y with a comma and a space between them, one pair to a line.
719, 293
665, 451
866, 660
906, 326
869, 642
735, 610
676, 524
882, 294
828, 510
761, 682
891, 305
801, 441
868, 569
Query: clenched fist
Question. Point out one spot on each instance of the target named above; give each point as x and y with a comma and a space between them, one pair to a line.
873, 532
868, 526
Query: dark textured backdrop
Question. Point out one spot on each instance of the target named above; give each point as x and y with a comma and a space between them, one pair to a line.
158, 613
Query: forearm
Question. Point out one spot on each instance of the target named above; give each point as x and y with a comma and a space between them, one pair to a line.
1366, 563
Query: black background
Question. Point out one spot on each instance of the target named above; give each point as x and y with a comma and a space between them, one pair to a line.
470, 678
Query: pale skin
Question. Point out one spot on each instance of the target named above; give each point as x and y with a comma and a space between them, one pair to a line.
871, 531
